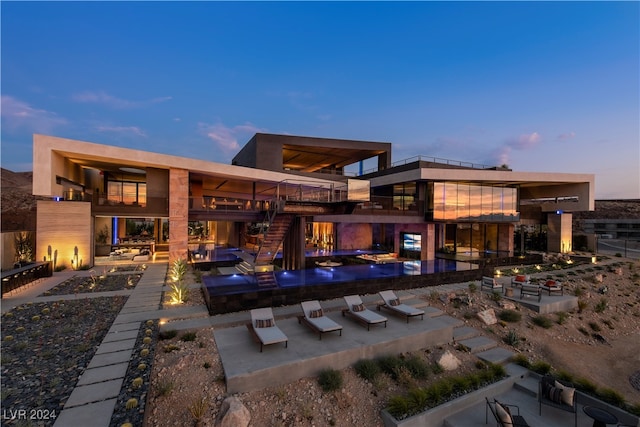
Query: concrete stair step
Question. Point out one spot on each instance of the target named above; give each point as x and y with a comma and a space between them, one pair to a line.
464, 333
478, 344
497, 355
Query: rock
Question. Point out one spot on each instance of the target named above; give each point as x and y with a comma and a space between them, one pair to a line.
448, 361
233, 414
507, 305
488, 317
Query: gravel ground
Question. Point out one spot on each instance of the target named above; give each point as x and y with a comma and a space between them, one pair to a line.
96, 282
46, 347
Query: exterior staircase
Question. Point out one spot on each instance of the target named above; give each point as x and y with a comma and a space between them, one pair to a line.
266, 279
278, 228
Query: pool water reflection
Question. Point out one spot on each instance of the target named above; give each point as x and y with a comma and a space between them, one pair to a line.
239, 283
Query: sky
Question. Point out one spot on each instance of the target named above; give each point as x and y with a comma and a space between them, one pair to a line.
538, 86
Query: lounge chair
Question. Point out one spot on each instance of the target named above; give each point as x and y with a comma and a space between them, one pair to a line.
393, 303
357, 310
315, 318
263, 328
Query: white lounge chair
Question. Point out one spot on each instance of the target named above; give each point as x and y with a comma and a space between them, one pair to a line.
263, 328
315, 318
358, 311
392, 303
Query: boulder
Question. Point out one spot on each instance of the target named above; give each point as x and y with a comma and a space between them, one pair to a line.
488, 317
448, 361
233, 414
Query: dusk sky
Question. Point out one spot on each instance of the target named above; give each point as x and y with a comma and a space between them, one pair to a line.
539, 86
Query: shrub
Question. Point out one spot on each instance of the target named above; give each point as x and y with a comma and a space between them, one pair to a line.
522, 360
594, 327
164, 388
390, 365
367, 369
495, 296
512, 338
330, 380
582, 305
586, 385
473, 287
132, 403
398, 407
562, 317
188, 336
198, 408
167, 335
418, 368
542, 321
541, 367
611, 396
510, 316
600, 306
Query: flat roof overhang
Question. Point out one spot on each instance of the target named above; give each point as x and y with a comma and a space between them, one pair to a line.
51, 153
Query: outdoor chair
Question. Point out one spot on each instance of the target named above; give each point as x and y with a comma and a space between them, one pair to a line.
552, 286
504, 414
263, 328
357, 310
520, 280
532, 290
491, 284
552, 392
315, 319
392, 303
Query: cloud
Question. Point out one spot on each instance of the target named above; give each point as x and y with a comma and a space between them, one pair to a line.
502, 154
103, 98
226, 138
18, 114
123, 130
566, 136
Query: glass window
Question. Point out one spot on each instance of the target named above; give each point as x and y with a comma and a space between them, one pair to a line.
464, 202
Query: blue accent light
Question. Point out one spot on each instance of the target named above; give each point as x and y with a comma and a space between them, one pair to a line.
114, 227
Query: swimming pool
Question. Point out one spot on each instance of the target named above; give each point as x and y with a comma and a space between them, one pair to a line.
241, 283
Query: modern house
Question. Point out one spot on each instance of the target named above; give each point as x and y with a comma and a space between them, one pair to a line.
285, 194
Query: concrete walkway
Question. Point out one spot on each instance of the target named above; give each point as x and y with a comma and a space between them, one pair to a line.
93, 399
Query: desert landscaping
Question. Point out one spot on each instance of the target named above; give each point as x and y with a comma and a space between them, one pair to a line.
581, 343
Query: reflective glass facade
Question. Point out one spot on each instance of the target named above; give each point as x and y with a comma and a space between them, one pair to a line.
454, 201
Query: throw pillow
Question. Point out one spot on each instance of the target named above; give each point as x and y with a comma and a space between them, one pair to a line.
264, 323
555, 394
394, 302
567, 393
503, 415
358, 307
315, 313
520, 278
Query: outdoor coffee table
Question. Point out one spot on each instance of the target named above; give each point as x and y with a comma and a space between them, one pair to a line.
600, 417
